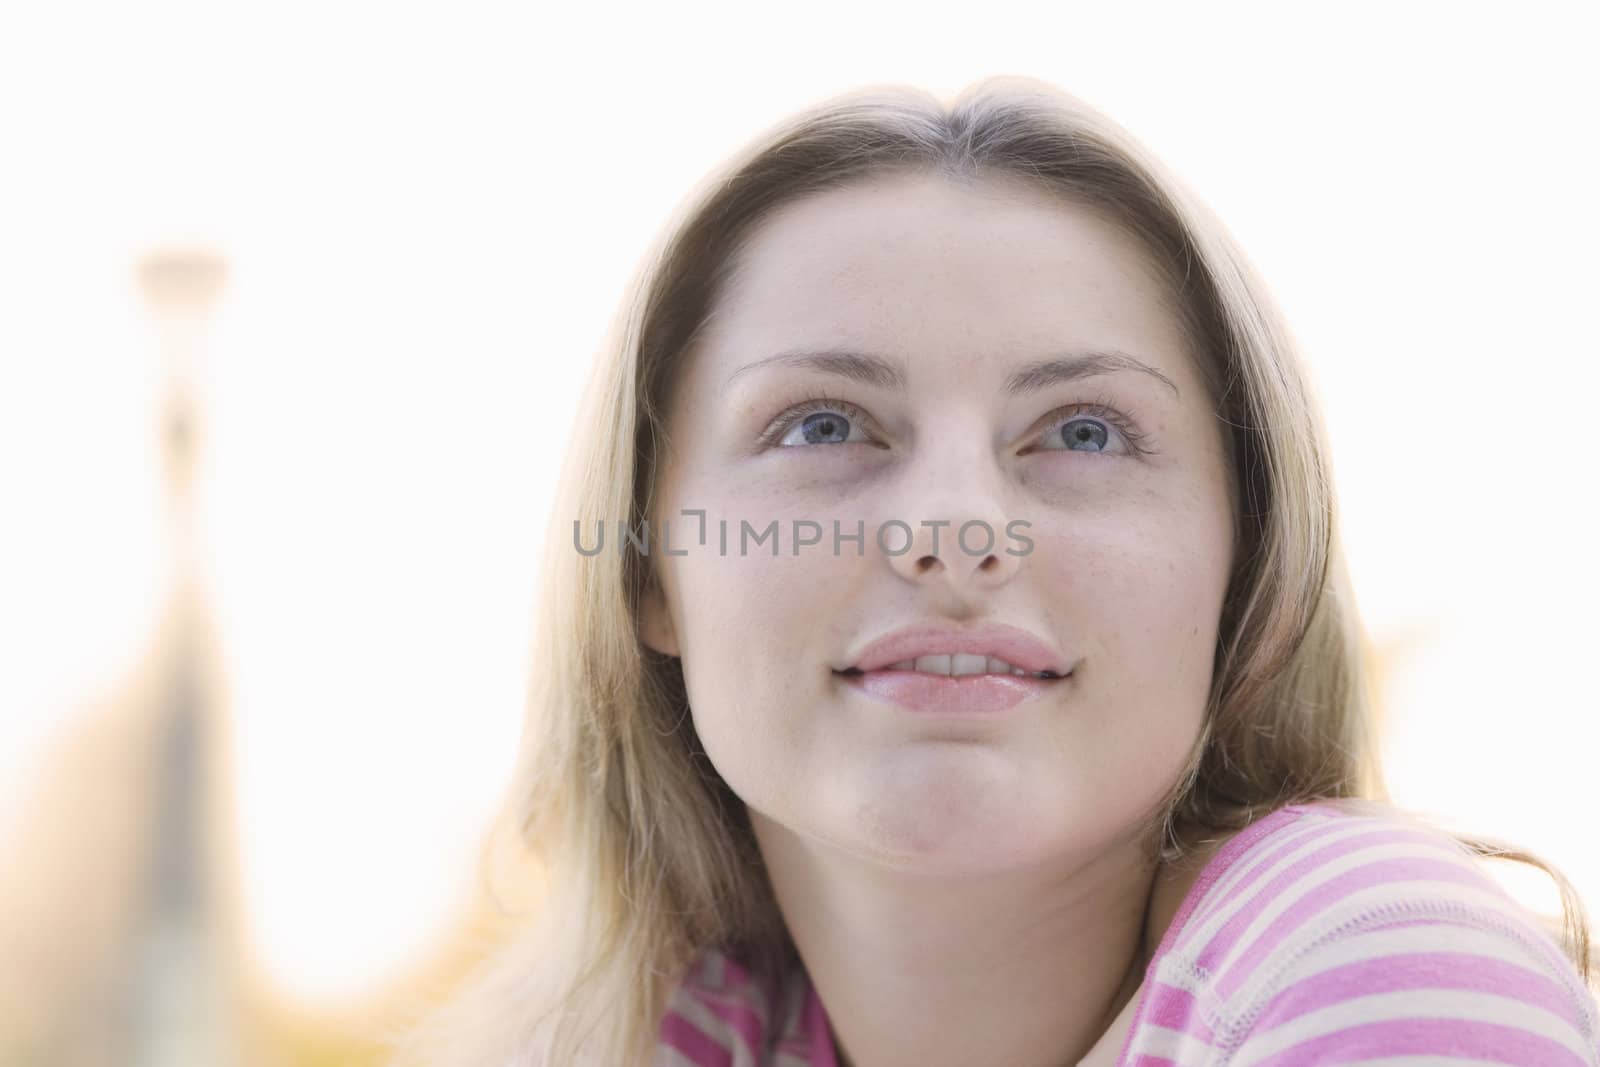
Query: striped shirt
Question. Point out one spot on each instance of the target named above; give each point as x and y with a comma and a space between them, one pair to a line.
1315, 936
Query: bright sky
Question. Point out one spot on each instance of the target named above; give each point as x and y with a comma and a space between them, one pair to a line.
430, 212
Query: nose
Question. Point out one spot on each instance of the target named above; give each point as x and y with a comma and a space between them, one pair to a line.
955, 533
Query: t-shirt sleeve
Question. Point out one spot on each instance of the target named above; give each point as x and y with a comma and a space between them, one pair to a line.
1424, 991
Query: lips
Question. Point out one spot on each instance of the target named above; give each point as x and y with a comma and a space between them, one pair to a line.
878, 671
969, 694
1011, 644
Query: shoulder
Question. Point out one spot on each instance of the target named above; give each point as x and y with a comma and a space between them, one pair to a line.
722, 1014
1342, 928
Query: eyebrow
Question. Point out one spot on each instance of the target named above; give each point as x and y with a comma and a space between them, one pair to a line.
868, 369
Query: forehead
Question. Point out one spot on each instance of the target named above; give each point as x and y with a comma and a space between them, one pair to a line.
926, 267
890, 250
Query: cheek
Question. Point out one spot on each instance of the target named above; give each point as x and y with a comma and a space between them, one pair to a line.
1143, 590
759, 634
1139, 602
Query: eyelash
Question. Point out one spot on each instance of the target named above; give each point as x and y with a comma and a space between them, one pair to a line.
809, 406
1100, 408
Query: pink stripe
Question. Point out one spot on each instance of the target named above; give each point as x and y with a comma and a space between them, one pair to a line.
1153, 993
1315, 902
1475, 1041
734, 974
738, 1014
1222, 943
1291, 839
683, 1035
1420, 970
1272, 840
1176, 1009
1232, 853
818, 1031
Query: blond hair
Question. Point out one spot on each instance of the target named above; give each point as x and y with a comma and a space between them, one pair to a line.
651, 854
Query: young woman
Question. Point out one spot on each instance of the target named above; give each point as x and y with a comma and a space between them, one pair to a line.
975, 678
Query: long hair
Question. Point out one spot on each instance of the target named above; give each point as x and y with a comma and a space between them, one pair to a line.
648, 854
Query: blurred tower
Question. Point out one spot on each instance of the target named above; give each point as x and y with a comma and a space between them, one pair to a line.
179, 997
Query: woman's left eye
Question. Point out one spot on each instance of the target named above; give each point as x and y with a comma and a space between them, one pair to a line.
1090, 428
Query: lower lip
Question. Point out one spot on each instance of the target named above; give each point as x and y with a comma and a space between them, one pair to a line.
967, 694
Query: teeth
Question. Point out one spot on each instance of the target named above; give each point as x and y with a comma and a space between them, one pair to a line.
958, 664
967, 664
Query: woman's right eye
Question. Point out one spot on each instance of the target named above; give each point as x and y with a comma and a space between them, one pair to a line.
819, 422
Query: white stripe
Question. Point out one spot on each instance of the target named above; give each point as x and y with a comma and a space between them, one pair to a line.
1354, 830
1304, 828
1310, 881
1476, 923
667, 1056
1452, 1060
788, 1014
1363, 945
715, 1028
716, 975
1345, 917
1453, 1004
1180, 972
1221, 899
1178, 969
1168, 1044
1392, 903
1509, 945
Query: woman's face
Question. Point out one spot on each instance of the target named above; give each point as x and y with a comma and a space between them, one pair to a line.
1113, 483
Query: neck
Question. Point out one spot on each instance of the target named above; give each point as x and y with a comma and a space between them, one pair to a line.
1026, 966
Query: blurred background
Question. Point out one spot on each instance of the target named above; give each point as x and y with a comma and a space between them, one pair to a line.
295, 302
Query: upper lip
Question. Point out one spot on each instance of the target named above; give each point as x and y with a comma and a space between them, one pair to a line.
1016, 646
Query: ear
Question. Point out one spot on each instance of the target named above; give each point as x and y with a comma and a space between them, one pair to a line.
655, 621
